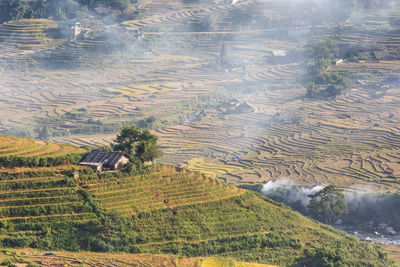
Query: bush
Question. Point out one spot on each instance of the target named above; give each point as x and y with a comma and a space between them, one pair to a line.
15, 161
10, 262
17, 241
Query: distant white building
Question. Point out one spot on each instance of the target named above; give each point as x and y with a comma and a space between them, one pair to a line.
340, 61
279, 53
279, 56
69, 28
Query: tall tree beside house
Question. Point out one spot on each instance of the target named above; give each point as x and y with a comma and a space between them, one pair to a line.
138, 142
148, 150
127, 139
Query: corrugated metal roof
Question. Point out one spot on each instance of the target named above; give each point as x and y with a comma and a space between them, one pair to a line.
96, 157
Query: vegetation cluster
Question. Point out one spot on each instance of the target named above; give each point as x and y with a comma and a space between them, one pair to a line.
324, 82
36, 161
59, 10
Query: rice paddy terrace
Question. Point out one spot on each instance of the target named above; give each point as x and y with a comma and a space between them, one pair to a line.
348, 141
32, 201
355, 143
26, 147
164, 188
167, 73
18, 39
170, 211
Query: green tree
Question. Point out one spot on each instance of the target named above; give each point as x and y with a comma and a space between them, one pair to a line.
127, 139
222, 61
147, 123
121, 5
328, 203
323, 53
148, 150
65, 9
39, 9
337, 83
340, 87
132, 139
13, 9
46, 133
312, 90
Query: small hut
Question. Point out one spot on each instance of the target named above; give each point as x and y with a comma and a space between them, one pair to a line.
105, 161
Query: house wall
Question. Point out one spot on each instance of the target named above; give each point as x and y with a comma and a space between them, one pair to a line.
69, 30
77, 30
121, 163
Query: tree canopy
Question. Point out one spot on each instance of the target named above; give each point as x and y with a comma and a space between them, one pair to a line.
323, 53
65, 9
138, 142
328, 203
322, 81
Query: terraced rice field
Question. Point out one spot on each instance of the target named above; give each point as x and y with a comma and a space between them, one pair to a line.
21, 38
32, 203
165, 188
187, 15
348, 141
26, 147
359, 148
166, 73
78, 53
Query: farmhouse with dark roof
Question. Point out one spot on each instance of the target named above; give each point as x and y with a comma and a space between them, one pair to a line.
105, 161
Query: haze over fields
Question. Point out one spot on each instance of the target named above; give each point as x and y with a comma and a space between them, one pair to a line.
218, 93
281, 97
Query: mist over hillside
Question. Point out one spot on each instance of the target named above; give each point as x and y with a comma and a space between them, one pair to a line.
239, 93
368, 210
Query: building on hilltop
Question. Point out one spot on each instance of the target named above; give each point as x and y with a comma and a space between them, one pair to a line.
105, 161
69, 28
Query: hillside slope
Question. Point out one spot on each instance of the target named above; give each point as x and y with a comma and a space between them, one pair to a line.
62, 258
166, 211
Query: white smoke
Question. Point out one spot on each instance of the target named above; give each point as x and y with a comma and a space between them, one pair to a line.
289, 193
367, 208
